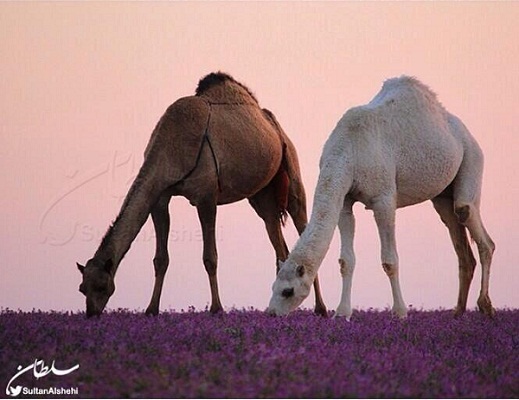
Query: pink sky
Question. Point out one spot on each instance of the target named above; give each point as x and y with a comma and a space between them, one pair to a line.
83, 85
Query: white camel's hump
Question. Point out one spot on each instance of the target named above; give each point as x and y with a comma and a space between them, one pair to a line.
401, 101
407, 89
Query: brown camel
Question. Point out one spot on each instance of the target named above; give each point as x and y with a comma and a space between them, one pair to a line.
216, 147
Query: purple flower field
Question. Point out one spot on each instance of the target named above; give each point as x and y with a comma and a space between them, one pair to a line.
248, 354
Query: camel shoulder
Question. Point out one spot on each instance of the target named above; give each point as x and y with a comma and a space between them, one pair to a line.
182, 125
187, 108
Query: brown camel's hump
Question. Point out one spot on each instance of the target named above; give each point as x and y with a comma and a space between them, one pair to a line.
219, 87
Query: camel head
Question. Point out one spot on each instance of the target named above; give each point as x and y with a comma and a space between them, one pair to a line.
291, 287
97, 286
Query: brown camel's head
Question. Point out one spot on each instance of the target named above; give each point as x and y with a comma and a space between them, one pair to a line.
97, 286
291, 287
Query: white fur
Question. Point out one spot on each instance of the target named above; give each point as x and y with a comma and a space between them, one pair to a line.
401, 149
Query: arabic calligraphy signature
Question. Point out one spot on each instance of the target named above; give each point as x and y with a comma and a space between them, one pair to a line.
39, 370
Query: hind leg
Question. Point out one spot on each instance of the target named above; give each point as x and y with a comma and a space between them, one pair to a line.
445, 208
469, 216
265, 206
467, 193
297, 211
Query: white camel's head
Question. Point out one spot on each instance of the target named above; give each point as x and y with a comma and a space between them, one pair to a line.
291, 287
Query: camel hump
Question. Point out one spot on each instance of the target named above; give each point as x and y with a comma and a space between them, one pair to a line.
406, 92
219, 87
408, 83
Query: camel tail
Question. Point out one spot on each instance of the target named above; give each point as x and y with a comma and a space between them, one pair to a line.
281, 187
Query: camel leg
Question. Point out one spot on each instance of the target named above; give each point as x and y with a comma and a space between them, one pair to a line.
445, 208
297, 211
265, 206
320, 307
160, 217
469, 216
207, 216
347, 259
384, 211
467, 194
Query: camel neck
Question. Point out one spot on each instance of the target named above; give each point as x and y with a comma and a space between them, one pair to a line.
132, 216
329, 196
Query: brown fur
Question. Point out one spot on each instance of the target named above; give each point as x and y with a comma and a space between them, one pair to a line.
282, 185
226, 84
217, 147
220, 87
281, 188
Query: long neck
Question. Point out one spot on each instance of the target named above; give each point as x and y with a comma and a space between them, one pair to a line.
333, 184
134, 213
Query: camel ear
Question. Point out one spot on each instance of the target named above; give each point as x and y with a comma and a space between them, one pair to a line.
300, 270
108, 266
80, 267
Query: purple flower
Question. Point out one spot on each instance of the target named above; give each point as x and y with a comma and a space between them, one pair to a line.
249, 354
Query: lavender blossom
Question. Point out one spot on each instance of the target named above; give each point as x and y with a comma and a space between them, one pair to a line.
248, 354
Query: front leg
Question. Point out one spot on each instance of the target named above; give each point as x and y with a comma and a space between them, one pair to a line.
207, 215
297, 210
384, 210
347, 259
160, 217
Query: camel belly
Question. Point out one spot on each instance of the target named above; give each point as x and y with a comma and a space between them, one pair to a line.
424, 172
414, 171
242, 177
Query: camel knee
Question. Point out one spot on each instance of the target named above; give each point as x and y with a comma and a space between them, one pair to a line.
462, 212
161, 265
391, 270
346, 267
486, 251
486, 248
210, 266
470, 218
490, 246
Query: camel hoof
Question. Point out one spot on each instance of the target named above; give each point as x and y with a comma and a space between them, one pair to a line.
153, 311
342, 312
321, 311
216, 309
401, 314
458, 312
485, 306
338, 315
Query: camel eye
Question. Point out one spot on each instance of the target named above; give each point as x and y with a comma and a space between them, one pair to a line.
288, 292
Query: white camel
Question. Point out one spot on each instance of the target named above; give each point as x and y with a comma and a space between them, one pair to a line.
400, 149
